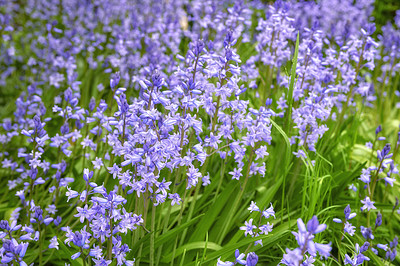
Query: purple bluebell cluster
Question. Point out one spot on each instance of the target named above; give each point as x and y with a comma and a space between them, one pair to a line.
347, 226
307, 251
120, 118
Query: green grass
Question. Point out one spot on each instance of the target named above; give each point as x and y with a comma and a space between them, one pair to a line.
206, 226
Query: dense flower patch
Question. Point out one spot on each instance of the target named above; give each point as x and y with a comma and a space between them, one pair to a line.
199, 133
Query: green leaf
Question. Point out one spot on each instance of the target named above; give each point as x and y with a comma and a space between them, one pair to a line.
166, 237
212, 213
292, 81
192, 246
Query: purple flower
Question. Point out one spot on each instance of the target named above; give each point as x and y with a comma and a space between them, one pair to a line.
53, 242
84, 213
292, 257
364, 247
366, 232
236, 173
114, 80
102, 261
269, 212
224, 263
248, 228
389, 180
71, 194
266, 228
378, 221
378, 130
239, 257
175, 199
300, 154
97, 163
253, 207
384, 154
368, 204
76, 255
349, 228
114, 170
87, 175
251, 259
305, 241
313, 225
358, 258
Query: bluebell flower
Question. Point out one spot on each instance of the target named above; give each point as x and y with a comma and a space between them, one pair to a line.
102, 261
175, 199
97, 163
71, 194
53, 242
366, 232
358, 258
253, 207
115, 78
76, 255
87, 175
305, 241
348, 227
251, 259
266, 228
224, 263
248, 228
378, 130
368, 204
384, 153
292, 257
269, 212
240, 257
236, 173
378, 221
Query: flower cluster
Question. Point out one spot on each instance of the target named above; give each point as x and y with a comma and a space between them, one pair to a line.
347, 227
261, 228
174, 110
305, 239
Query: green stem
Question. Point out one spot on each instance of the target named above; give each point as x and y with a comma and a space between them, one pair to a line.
109, 246
178, 223
153, 218
220, 179
41, 236
236, 203
167, 216
83, 257
145, 210
340, 244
